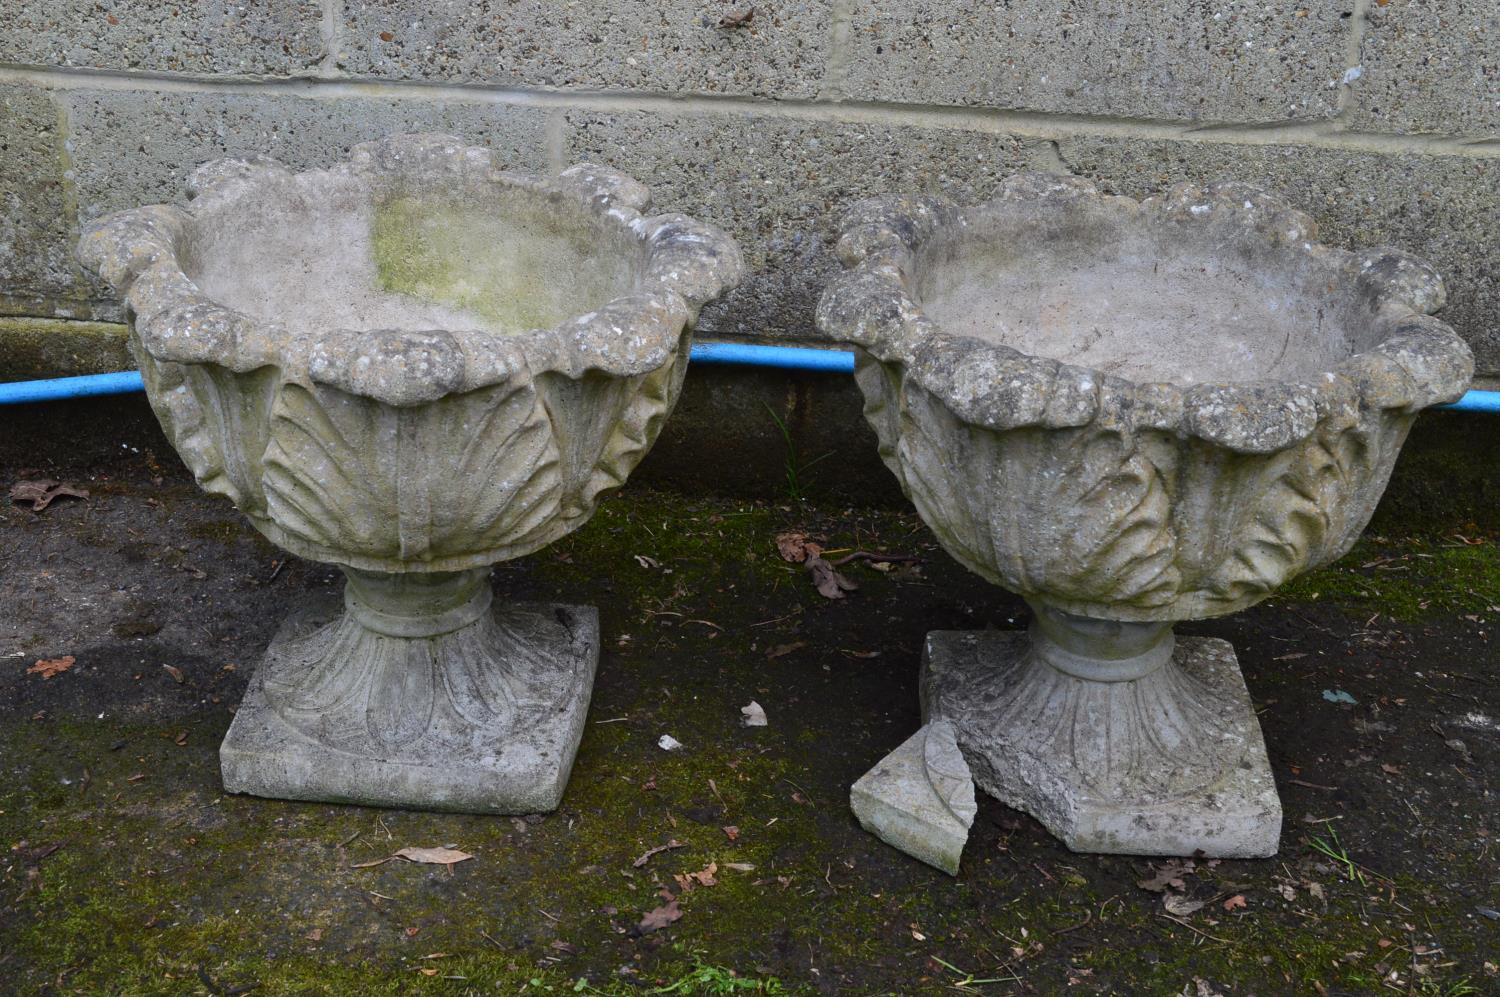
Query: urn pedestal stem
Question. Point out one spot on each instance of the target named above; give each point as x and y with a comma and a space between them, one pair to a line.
1117, 736
417, 605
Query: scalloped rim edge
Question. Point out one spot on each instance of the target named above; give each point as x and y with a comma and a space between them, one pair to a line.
1420, 361
688, 264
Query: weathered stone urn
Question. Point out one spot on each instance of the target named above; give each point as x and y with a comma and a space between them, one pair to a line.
1130, 413
413, 365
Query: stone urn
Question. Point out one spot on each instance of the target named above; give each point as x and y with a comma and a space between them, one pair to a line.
1130, 413
413, 365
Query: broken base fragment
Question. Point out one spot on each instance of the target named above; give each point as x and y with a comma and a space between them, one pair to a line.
920, 798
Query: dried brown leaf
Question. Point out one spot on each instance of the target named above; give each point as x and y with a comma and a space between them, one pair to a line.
640, 862
782, 650
830, 583
707, 876
433, 856
48, 667
796, 546
659, 918
41, 492
1180, 906
1167, 876
421, 856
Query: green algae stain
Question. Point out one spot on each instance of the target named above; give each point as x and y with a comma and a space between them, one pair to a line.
519, 267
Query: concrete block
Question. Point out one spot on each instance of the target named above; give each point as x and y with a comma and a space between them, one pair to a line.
36, 260
243, 37
1442, 208
1235, 61
133, 148
778, 184
665, 46
33, 348
1429, 66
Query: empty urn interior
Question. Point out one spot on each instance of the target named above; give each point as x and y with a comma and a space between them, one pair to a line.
323, 251
1143, 298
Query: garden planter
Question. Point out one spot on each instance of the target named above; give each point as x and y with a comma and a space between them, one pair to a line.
1131, 414
413, 365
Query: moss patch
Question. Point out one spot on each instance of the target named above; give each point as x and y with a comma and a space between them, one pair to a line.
522, 267
161, 884
1409, 579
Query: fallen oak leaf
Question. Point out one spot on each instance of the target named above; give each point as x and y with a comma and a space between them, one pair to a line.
641, 862
48, 667
796, 546
659, 918
1236, 902
1167, 876
707, 876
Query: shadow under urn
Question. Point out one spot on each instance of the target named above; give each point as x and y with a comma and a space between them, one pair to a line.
1130, 413
413, 365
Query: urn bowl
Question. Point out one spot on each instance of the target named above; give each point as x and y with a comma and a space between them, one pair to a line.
1145, 411
415, 360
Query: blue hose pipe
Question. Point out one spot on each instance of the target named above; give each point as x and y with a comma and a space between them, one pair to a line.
121, 383
780, 357
740, 354
1475, 401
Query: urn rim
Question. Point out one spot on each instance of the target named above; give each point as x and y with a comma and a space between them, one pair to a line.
1415, 360
140, 253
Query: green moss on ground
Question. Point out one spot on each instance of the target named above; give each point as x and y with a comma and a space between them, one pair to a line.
1408, 579
162, 885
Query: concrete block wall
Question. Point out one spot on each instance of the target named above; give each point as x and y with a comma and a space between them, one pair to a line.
1381, 117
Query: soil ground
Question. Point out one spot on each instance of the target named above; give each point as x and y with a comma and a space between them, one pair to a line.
125, 869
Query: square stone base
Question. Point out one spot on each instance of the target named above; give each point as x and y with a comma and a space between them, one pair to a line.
969, 678
524, 770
